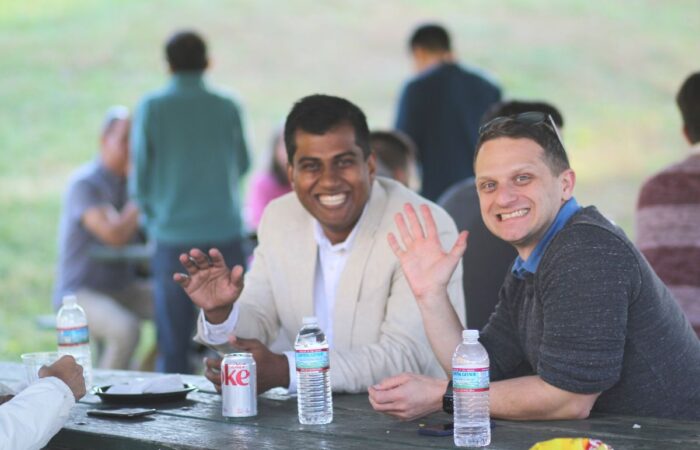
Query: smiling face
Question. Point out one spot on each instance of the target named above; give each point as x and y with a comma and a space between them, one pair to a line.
518, 193
332, 178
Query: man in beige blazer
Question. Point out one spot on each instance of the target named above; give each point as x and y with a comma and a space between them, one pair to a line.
323, 251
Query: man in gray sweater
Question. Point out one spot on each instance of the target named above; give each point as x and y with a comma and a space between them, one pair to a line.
583, 323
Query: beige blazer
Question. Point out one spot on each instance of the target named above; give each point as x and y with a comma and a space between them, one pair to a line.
377, 327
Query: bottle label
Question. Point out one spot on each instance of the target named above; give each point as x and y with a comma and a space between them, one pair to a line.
68, 337
312, 360
470, 379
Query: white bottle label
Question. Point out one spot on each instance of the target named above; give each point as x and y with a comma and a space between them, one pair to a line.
470, 379
312, 360
68, 337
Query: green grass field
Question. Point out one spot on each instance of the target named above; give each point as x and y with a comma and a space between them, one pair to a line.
612, 67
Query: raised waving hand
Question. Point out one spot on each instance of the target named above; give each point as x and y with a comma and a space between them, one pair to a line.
428, 269
210, 283
426, 266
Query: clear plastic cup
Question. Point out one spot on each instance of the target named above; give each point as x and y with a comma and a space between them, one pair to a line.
33, 362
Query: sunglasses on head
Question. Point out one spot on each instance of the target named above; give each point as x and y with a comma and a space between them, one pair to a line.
532, 118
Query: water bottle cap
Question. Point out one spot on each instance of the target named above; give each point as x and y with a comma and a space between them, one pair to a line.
70, 299
310, 320
471, 335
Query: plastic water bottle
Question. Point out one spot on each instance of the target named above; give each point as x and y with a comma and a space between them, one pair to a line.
314, 398
470, 385
73, 336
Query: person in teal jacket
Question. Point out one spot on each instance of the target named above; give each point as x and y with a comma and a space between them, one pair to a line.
189, 153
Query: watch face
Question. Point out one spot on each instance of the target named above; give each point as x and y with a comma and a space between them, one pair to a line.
447, 404
448, 399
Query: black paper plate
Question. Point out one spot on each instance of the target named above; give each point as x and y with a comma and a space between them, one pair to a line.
132, 399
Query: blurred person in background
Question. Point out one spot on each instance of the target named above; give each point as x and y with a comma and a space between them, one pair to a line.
269, 183
440, 109
189, 154
488, 259
31, 418
668, 212
96, 212
396, 157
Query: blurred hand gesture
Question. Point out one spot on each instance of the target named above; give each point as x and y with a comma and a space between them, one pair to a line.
68, 371
426, 266
210, 284
272, 368
212, 372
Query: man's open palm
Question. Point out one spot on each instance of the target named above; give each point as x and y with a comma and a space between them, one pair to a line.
426, 266
209, 282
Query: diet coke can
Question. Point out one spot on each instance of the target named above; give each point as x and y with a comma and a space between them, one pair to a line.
238, 386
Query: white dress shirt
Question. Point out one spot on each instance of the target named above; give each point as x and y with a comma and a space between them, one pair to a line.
35, 415
331, 262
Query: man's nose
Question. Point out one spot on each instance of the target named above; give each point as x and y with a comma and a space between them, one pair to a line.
505, 195
329, 176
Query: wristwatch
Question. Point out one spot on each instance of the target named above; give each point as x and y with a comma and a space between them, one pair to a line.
447, 399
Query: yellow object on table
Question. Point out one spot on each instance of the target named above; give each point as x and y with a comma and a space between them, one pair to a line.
571, 444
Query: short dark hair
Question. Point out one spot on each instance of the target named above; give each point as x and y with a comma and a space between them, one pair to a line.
186, 50
317, 114
432, 37
688, 100
513, 107
542, 133
393, 149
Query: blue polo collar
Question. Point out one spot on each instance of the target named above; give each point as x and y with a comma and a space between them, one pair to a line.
522, 267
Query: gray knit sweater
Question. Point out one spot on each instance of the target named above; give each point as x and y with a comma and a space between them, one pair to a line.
595, 318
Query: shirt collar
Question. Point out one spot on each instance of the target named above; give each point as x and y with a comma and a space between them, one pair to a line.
323, 241
521, 266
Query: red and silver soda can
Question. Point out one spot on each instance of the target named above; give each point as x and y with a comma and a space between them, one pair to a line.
238, 385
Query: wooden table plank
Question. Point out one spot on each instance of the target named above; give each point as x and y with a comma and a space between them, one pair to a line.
172, 432
355, 424
197, 423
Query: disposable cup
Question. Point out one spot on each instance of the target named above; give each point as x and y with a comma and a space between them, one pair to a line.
33, 362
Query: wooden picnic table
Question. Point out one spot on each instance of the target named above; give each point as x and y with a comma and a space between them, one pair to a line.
196, 423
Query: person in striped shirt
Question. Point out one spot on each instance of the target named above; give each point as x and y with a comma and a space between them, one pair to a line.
668, 213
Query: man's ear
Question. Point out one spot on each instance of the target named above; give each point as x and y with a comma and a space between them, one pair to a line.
372, 165
290, 174
419, 57
568, 181
686, 134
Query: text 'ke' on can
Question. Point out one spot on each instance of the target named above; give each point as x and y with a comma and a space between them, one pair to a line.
238, 385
